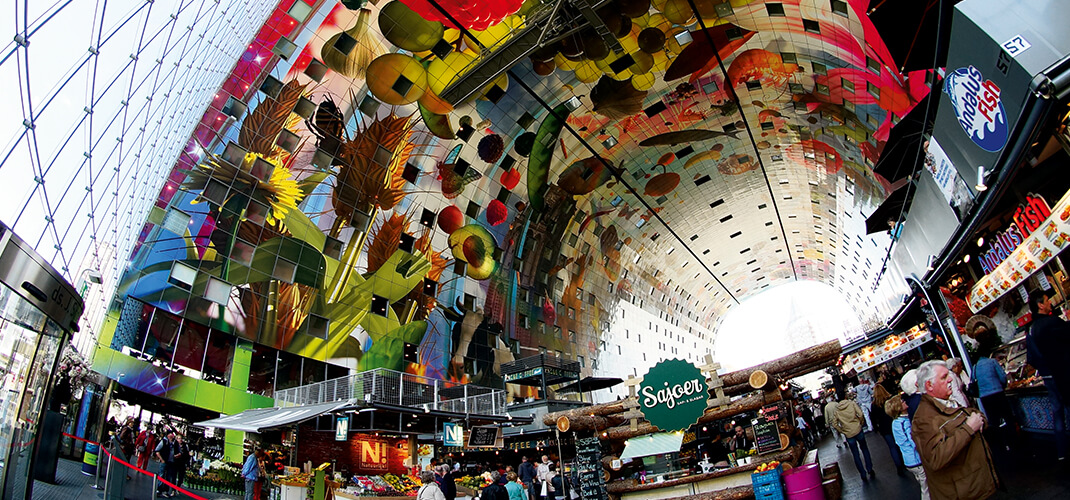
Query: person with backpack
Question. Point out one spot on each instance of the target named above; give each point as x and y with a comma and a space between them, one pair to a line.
166, 455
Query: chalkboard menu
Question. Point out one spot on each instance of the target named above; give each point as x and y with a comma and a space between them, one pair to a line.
483, 437
589, 468
766, 436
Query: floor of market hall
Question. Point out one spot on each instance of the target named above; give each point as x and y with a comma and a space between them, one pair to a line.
1030, 471
71, 484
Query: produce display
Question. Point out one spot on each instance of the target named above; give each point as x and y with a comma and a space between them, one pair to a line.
768, 466
388, 485
477, 482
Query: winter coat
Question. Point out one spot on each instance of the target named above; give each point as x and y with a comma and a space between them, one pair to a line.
956, 459
848, 418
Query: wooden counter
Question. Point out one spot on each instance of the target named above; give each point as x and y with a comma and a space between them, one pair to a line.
729, 482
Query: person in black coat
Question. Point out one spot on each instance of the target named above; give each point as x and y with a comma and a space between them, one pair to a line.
526, 472
494, 491
1048, 350
446, 483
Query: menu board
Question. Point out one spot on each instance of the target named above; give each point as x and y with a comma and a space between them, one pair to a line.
589, 469
766, 436
891, 347
483, 437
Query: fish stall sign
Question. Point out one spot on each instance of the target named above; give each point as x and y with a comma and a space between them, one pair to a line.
673, 395
978, 107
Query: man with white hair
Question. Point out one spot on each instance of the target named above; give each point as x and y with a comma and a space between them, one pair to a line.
953, 453
909, 385
958, 388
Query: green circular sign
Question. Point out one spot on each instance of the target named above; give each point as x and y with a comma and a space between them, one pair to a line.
673, 395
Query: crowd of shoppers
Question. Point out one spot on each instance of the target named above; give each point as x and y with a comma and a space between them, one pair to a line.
933, 425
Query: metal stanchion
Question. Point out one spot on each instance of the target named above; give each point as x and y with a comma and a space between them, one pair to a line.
107, 474
96, 482
155, 485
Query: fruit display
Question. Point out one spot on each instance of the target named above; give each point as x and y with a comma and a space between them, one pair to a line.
476, 482
389, 485
768, 466
301, 479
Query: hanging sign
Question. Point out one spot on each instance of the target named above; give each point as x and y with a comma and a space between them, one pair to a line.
484, 437
452, 434
673, 395
978, 107
1048, 238
341, 428
1027, 219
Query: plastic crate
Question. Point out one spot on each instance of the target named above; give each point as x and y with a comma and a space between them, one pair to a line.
767, 484
768, 491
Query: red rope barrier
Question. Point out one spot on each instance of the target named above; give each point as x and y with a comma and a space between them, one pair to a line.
134, 467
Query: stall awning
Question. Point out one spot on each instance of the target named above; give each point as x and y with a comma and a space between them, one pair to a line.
261, 419
653, 444
589, 384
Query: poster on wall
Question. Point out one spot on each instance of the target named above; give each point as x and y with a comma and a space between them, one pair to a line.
939, 165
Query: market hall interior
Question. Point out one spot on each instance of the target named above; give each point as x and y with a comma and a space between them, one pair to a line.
300, 246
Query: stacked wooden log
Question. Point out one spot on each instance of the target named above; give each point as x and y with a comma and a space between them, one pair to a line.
607, 419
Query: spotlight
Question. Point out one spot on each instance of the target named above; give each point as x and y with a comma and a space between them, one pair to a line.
966, 258
981, 241
980, 186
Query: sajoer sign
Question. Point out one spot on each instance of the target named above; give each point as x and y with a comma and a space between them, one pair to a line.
673, 395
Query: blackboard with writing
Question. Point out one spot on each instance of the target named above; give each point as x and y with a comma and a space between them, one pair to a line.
766, 436
483, 437
589, 468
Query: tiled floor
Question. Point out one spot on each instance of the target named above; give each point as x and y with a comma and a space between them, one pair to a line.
1029, 472
72, 484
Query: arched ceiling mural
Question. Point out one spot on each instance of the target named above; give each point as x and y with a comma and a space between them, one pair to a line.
476, 178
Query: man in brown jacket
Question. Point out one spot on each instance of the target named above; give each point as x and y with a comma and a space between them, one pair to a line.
956, 458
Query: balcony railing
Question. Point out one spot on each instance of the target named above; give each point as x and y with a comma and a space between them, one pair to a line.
393, 387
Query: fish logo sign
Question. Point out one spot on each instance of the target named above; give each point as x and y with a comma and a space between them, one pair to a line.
978, 107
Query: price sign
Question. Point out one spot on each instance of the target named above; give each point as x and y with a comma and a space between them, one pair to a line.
766, 436
589, 469
483, 437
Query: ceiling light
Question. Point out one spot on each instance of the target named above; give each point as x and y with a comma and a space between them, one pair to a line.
670, 250
980, 241
980, 186
966, 258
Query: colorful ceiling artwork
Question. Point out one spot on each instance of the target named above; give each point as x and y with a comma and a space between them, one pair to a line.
481, 178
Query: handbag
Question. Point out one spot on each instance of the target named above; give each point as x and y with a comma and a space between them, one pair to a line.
545, 489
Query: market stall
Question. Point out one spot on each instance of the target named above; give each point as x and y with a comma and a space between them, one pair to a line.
639, 448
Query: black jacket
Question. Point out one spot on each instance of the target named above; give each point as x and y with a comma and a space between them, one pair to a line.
447, 485
494, 491
881, 421
1047, 343
526, 471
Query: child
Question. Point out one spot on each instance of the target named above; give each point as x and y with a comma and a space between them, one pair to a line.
896, 408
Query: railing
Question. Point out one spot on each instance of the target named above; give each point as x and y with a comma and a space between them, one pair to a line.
393, 387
